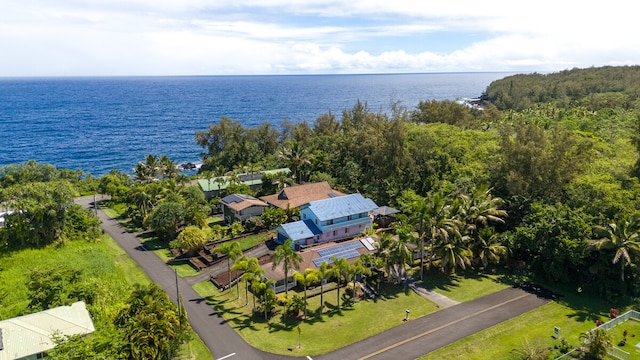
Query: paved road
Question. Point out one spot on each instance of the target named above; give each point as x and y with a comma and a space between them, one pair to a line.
407, 341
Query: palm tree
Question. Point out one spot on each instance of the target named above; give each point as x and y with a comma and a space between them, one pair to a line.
340, 267
251, 271
324, 272
232, 251
146, 171
296, 156
598, 341
167, 167
264, 288
142, 199
384, 251
453, 252
368, 261
432, 218
488, 247
400, 253
358, 268
307, 278
286, 255
480, 209
623, 236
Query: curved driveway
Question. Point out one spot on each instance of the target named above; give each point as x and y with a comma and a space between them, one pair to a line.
407, 341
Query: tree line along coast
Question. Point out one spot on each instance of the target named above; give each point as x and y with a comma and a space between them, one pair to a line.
540, 182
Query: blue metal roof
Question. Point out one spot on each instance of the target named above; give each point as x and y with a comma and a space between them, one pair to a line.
299, 230
341, 206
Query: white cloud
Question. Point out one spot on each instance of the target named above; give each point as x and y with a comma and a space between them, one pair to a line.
150, 37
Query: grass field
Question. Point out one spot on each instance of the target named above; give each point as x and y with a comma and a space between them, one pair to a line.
574, 314
102, 261
466, 286
320, 333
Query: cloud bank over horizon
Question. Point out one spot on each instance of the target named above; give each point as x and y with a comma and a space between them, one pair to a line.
248, 37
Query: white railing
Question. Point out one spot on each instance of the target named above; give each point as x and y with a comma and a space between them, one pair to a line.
612, 350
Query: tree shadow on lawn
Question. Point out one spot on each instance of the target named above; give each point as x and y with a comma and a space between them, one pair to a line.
390, 291
152, 242
313, 316
233, 315
589, 307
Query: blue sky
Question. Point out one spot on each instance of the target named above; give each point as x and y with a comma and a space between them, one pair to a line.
223, 37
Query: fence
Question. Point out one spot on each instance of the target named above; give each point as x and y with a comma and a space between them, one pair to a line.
613, 351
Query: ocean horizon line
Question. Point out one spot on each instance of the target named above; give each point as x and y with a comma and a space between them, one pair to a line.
49, 77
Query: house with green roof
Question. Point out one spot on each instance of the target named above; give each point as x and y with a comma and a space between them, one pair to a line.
212, 187
29, 337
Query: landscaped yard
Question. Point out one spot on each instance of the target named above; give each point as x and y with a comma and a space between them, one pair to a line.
632, 328
574, 314
320, 333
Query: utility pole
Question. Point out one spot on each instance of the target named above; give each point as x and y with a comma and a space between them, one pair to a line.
178, 293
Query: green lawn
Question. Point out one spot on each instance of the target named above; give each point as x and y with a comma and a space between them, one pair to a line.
320, 333
466, 286
574, 314
253, 240
633, 337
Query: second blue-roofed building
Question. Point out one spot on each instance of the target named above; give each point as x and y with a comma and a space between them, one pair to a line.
329, 220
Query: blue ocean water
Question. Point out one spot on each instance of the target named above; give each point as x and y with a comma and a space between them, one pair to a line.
99, 124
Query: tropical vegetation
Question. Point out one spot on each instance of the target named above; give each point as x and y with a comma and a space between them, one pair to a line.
539, 178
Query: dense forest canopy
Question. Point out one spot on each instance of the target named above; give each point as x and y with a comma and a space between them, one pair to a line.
593, 88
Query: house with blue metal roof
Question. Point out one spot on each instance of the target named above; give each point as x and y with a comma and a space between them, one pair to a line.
329, 220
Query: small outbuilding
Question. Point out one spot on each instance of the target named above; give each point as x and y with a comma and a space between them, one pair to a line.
384, 215
31, 336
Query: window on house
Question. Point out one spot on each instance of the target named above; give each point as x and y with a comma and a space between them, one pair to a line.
335, 233
304, 216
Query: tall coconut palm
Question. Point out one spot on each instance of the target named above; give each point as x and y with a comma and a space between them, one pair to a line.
254, 273
167, 167
340, 267
145, 171
307, 278
143, 199
384, 252
296, 156
369, 262
324, 272
358, 268
232, 251
488, 247
251, 270
453, 252
622, 236
264, 289
400, 252
286, 255
433, 219
480, 209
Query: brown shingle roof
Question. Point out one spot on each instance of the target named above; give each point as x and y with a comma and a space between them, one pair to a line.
295, 196
239, 202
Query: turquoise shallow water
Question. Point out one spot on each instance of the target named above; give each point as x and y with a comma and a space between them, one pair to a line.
99, 124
